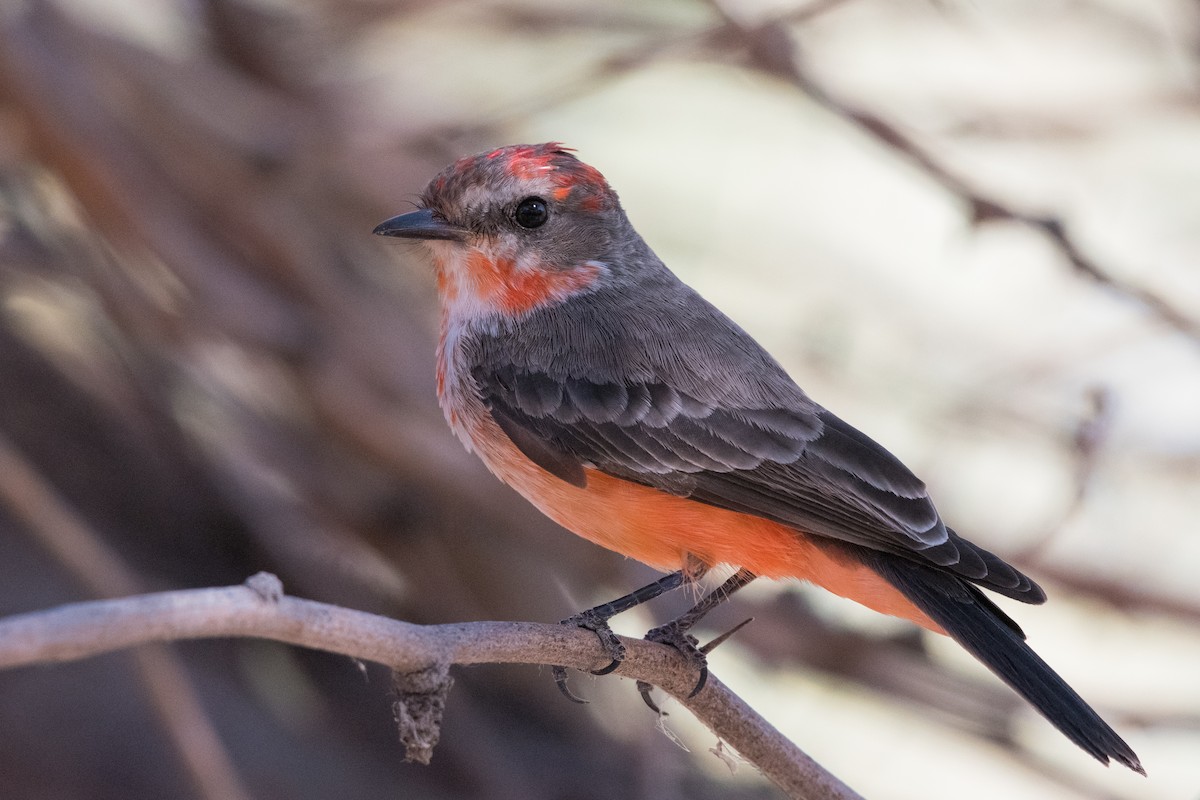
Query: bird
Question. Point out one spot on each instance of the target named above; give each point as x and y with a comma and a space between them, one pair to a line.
634, 413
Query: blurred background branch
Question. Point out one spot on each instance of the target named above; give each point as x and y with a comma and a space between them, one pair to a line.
213, 368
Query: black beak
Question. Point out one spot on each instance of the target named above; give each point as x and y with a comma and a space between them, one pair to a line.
420, 224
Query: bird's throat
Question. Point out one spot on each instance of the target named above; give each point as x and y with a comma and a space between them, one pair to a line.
475, 282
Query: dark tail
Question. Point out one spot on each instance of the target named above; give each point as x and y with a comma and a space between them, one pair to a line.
975, 622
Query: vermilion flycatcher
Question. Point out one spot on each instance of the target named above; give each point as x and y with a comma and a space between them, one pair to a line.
634, 413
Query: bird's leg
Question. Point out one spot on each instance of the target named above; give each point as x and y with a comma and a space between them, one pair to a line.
596, 620
676, 632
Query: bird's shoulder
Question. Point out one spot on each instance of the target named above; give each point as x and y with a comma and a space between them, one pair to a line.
658, 334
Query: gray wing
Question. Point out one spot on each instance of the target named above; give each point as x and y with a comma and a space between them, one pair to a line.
800, 466
700, 410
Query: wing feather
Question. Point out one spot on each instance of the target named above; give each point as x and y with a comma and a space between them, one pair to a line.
662, 389
803, 467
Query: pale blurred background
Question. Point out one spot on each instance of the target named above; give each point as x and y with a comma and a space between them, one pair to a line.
206, 356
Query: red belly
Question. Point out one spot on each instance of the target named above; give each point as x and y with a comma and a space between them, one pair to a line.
662, 530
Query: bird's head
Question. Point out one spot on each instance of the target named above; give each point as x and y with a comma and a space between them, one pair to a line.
516, 227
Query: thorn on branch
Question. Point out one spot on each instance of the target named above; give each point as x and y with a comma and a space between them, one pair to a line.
418, 708
724, 637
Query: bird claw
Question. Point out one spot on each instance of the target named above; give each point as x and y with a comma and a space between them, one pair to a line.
616, 662
644, 690
560, 680
598, 624
677, 636
674, 633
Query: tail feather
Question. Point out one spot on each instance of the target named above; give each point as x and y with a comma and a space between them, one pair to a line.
972, 620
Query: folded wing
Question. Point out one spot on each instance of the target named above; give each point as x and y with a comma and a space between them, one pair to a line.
796, 464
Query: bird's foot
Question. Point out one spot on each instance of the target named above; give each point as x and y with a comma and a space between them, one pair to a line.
597, 623
676, 635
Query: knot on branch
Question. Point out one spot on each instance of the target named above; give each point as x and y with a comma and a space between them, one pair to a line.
418, 707
266, 585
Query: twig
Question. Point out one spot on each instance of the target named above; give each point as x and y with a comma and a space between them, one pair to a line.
1091, 432
80, 630
1114, 591
772, 49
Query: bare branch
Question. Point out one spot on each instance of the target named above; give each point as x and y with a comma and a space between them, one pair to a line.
80, 630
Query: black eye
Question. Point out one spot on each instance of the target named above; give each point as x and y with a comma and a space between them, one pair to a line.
531, 213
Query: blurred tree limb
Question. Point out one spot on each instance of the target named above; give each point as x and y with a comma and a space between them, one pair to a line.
260, 609
60, 530
773, 49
